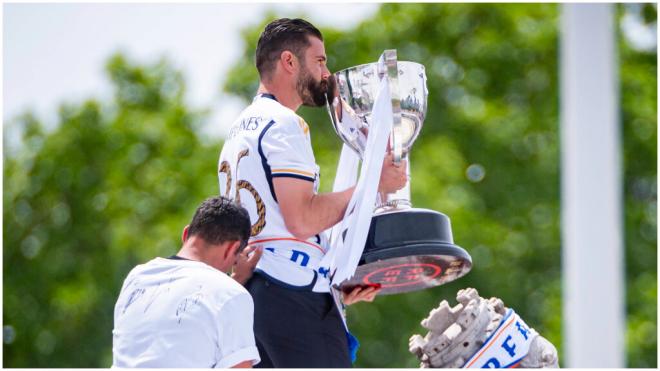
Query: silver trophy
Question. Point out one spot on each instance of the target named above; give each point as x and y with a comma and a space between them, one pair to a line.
407, 248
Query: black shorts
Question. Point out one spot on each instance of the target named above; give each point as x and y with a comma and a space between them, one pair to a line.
296, 328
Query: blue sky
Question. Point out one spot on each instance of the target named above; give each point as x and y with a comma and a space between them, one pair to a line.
54, 53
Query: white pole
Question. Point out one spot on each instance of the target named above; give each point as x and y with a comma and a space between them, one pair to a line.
591, 202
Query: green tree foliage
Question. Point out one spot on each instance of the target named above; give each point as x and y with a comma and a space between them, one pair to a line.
110, 188
488, 156
638, 81
113, 184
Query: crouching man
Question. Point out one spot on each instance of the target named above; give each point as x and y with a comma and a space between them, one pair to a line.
185, 311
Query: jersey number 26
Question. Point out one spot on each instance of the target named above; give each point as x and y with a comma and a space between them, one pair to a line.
259, 225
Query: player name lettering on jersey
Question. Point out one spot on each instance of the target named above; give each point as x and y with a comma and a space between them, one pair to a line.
249, 123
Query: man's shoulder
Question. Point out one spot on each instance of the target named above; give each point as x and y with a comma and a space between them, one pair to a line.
210, 281
194, 270
272, 111
263, 118
216, 280
146, 267
224, 289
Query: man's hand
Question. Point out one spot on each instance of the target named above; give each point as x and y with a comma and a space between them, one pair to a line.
392, 177
246, 262
360, 293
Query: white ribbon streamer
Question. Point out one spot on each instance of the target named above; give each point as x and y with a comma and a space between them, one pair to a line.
344, 255
346, 177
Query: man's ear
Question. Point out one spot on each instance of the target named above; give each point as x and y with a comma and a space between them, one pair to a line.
232, 249
288, 61
184, 235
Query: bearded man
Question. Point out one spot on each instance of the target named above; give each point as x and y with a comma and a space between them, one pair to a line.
267, 163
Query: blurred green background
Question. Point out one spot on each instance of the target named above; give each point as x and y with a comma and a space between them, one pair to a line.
115, 182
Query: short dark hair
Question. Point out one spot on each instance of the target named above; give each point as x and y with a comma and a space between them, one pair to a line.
218, 220
280, 35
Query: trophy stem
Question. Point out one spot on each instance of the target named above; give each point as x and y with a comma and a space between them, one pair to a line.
397, 201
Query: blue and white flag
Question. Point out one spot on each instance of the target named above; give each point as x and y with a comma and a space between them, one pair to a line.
507, 346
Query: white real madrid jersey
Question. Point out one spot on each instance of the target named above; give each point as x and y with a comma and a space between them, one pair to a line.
182, 314
268, 140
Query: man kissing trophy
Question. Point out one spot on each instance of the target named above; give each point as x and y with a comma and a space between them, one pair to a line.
380, 107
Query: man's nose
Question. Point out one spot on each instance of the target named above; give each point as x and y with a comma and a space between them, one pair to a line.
325, 74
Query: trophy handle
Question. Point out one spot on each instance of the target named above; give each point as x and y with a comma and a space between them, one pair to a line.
387, 66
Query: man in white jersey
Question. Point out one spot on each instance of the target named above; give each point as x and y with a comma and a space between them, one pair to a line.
267, 164
185, 311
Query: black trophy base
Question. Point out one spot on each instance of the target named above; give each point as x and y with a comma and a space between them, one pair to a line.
409, 250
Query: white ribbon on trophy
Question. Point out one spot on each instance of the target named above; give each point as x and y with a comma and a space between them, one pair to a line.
344, 255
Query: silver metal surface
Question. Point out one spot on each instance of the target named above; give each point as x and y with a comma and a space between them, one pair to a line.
350, 110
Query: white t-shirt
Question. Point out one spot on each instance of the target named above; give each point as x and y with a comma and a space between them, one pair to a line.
182, 313
268, 140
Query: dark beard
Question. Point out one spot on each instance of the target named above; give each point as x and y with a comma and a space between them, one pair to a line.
312, 93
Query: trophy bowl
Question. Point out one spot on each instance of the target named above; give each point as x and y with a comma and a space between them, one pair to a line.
358, 87
407, 248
